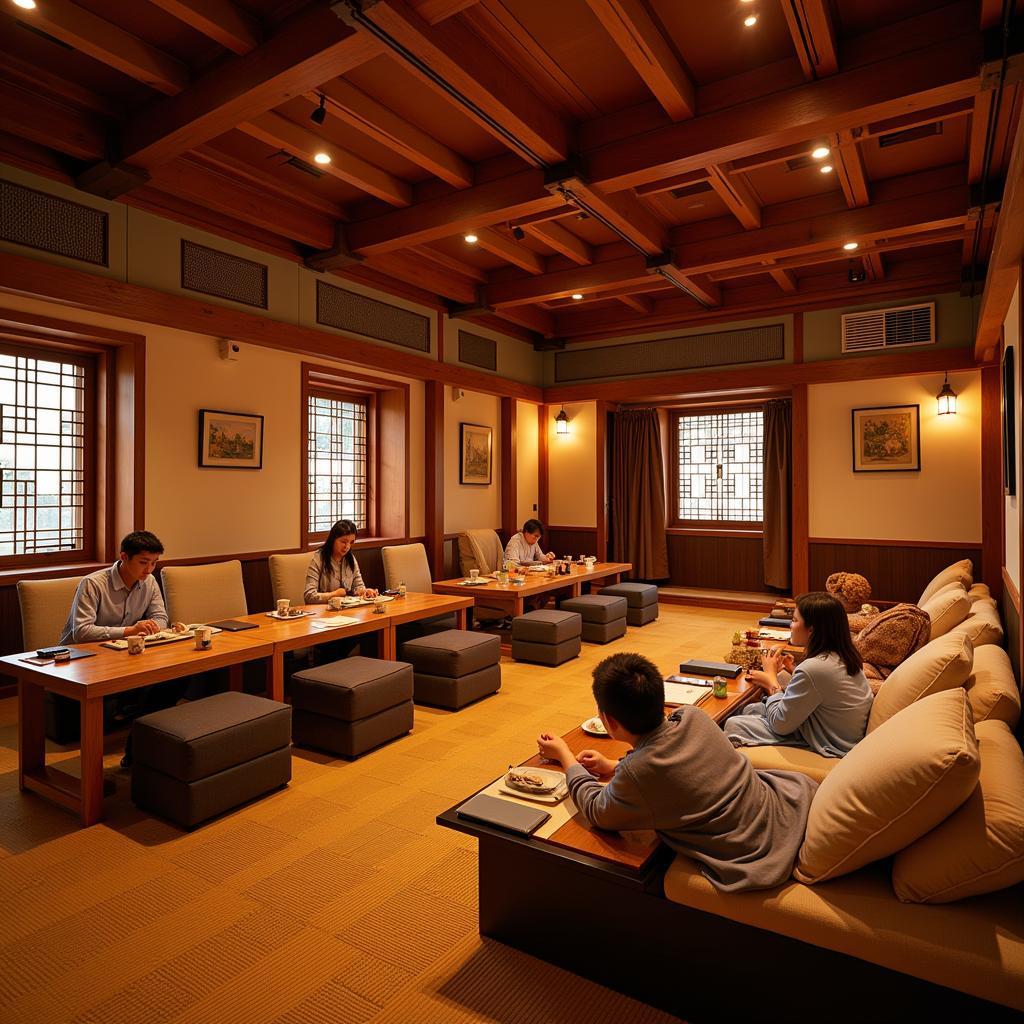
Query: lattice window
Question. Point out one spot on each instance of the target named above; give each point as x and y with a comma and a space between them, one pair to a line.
338, 452
720, 467
43, 458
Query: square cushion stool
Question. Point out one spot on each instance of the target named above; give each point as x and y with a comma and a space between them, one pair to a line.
546, 637
454, 668
351, 706
604, 618
641, 601
199, 759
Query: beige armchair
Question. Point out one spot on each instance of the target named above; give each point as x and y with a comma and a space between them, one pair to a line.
407, 563
203, 593
481, 549
288, 576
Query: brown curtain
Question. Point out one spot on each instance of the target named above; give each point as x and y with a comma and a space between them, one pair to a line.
778, 476
638, 494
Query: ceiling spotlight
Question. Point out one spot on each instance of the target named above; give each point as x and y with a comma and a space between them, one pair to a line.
582, 215
750, 21
322, 158
820, 152
577, 296
850, 246
320, 114
856, 275
518, 233
471, 238
825, 168
25, 5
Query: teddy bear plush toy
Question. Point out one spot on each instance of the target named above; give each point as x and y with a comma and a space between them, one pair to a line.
849, 588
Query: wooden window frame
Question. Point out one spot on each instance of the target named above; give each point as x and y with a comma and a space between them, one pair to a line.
715, 527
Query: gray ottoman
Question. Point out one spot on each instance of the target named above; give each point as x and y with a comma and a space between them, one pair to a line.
454, 668
202, 758
546, 637
351, 706
641, 601
604, 618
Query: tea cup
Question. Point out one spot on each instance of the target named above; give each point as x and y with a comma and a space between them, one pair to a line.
283, 604
335, 603
136, 644
474, 574
379, 606
204, 638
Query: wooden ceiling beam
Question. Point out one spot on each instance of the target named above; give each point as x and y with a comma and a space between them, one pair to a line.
221, 20
555, 213
639, 303
407, 267
737, 195
918, 118
698, 287
853, 175
562, 240
874, 266
106, 42
79, 134
442, 259
634, 31
20, 72
653, 188
530, 317
561, 284
433, 11
383, 125
784, 279
277, 131
453, 52
814, 38
510, 250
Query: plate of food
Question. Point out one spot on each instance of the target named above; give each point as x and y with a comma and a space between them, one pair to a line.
594, 727
480, 581
541, 784
292, 613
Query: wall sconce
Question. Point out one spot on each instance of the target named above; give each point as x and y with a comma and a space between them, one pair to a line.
562, 422
946, 399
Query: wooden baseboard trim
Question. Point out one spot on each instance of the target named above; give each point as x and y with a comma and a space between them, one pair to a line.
862, 542
730, 603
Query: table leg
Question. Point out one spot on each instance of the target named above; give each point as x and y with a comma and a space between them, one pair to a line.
31, 729
519, 605
460, 619
235, 678
389, 643
275, 676
92, 761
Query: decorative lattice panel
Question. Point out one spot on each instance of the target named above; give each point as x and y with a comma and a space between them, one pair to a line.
691, 352
721, 466
42, 455
337, 454
213, 272
478, 351
51, 224
349, 311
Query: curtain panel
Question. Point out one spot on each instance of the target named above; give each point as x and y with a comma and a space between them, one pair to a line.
778, 476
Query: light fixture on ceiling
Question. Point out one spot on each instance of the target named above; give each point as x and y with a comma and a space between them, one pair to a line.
946, 399
825, 168
319, 115
518, 233
322, 158
562, 422
820, 152
750, 21
577, 296
850, 246
470, 238
25, 5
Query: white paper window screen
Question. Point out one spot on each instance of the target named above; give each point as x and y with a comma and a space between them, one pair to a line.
721, 467
337, 458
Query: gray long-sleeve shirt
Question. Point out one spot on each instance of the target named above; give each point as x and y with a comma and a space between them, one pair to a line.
822, 708
520, 550
320, 582
104, 605
703, 798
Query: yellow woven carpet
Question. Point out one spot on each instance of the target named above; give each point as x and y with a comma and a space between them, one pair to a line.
335, 900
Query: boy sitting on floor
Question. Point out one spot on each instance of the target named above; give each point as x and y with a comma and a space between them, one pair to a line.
685, 780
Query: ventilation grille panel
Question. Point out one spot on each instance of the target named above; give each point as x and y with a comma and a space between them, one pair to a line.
921, 131
48, 223
349, 311
894, 327
217, 273
693, 352
478, 351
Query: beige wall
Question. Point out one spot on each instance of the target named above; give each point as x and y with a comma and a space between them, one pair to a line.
572, 467
941, 503
1012, 338
470, 506
527, 450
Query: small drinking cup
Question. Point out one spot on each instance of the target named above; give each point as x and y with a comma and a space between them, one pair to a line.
335, 604
204, 638
136, 644
283, 605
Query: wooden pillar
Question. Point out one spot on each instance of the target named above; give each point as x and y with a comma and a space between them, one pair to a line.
542, 463
433, 440
601, 454
799, 502
798, 337
509, 474
992, 501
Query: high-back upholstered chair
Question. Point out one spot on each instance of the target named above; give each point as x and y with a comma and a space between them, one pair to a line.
203, 593
288, 576
44, 610
407, 563
481, 549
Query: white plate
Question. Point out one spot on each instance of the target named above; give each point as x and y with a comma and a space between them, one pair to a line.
288, 618
474, 583
594, 727
552, 796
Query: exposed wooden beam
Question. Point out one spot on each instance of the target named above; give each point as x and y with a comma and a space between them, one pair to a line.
23, 73
874, 266
555, 213
814, 39
853, 175
784, 279
697, 287
220, 20
382, 124
641, 40
917, 118
561, 240
277, 131
980, 115
77, 133
459, 57
106, 42
640, 303
434, 11
406, 267
590, 280
540, 321
442, 259
509, 249
677, 181
737, 195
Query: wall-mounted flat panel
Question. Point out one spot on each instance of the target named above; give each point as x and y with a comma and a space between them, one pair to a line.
476, 350
51, 224
345, 310
223, 275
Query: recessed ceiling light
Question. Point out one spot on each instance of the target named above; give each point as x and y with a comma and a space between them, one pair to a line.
750, 21
820, 152
850, 246
746, 1
322, 158
25, 5
577, 296
471, 238
825, 168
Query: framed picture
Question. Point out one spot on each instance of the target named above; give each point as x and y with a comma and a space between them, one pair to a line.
475, 454
887, 439
230, 440
1009, 426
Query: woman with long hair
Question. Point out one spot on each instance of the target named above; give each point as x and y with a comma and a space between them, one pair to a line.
333, 570
824, 704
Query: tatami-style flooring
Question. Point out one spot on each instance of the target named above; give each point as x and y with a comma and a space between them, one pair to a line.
335, 900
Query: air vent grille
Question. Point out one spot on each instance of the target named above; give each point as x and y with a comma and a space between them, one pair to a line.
798, 163
895, 327
349, 311
48, 223
921, 131
476, 350
223, 275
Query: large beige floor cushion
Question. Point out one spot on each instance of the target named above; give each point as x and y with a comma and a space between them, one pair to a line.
947, 608
992, 687
790, 759
959, 572
983, 624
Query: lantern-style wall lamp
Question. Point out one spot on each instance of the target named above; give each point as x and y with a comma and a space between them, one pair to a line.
946, 399
562, 422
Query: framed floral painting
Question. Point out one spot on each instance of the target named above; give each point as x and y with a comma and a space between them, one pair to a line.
230, 440
887, 439
475, 447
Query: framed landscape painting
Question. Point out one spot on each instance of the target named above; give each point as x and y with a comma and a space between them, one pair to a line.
887, 439
475, 449
230, 440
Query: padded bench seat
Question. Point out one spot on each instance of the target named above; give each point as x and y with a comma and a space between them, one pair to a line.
604, 618
454, 668
546, 637
641, 601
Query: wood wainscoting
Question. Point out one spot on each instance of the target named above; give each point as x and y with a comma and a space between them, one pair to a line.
898, 570
727, 560
570, 540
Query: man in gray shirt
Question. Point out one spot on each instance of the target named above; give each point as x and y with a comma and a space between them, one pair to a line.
524, 547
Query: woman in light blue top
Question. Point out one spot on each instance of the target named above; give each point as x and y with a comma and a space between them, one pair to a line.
824, 705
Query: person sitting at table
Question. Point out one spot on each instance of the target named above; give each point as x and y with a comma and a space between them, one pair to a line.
524, 547
824, 704
124, 601
333, 570
684, 780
